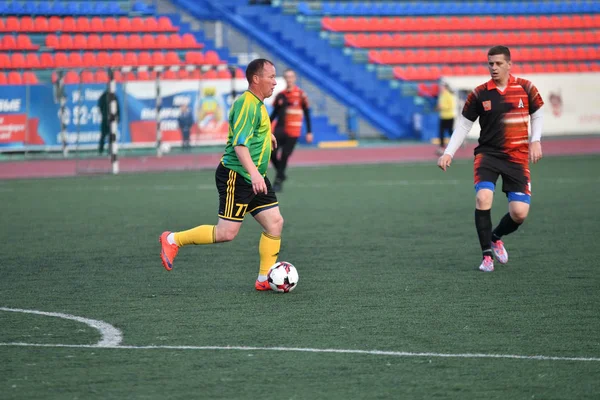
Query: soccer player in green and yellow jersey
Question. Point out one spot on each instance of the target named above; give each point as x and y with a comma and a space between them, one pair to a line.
241, 178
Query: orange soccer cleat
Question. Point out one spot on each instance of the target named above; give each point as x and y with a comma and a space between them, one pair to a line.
168, 251
262, 286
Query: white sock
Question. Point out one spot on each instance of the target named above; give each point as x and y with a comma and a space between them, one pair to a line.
171, 238
261, 278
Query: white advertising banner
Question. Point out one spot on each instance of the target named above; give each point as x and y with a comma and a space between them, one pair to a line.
572, 101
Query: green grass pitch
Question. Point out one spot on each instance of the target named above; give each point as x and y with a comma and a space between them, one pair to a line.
387, 256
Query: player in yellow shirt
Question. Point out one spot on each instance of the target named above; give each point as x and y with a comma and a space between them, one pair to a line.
447, 108
241, 178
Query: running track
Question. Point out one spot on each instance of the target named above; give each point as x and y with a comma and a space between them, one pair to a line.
302, 157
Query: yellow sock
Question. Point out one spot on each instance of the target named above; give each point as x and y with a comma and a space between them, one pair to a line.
203, 234
268, 249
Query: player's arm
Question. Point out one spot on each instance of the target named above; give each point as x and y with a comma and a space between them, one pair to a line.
306, 110
535, 147
258, 182
458, 137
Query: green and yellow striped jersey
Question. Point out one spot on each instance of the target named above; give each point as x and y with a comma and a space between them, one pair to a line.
250, 126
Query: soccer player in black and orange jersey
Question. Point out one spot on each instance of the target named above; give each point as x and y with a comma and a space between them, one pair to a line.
288, 108
504, 106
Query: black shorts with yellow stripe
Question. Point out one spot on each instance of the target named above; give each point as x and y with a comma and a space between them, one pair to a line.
236, 197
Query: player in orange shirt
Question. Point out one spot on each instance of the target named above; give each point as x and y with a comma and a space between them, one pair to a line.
504, 105
289, 107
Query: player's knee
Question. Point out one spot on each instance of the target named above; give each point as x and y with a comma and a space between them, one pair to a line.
484, 199
519, 215
226, 235
275, 226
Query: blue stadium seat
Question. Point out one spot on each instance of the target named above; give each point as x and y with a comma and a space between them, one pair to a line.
44, 8
16, 8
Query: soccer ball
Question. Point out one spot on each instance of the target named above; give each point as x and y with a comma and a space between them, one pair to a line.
282, 277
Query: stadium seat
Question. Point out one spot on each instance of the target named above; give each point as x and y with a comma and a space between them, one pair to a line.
103, 59
14, 78
117, 59
211, 74
71, 78
148, 41
46, 60
158, 58
32, 60
17, 60
224, 74
144, 58
121, 42
137, 24
110, 25
40, 24
4, 60
168, 74
65, 42
12, 24
3, 79
68, 24
94, 42
55, 24
165, 25
211, 57
172, 58
124, 24
194, 58
130, 59
26, 24
151, 24
87, 77
52, 41
75, 60
96, 24
9, 42
80, 42
161, 41
134, 42
108, 41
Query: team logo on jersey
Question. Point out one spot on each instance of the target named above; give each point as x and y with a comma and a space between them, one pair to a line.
521, 103
487, 105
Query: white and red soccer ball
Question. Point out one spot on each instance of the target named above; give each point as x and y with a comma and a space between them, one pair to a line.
282, 277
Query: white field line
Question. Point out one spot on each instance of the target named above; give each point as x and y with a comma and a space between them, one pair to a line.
311, 350
111, 336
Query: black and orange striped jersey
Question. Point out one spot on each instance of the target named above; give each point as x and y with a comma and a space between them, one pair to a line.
289, 107
503, 117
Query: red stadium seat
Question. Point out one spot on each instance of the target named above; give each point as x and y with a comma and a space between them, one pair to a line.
168, 74
144, 58
189, 41
108, 41
151, 25
70, 78
130, 59
134, 42
117, 59
158, 58
137, 24
26, 24
96, 25
172, 58
9, 42
224, 74
87, 77
162, 42
75, 60
80, 42
110, 25
94, 42
194, 57
212, 58
46, 60
165, 25
17, 60
65, 42
122, 42
211, 74
40, 24
175, 41
68, 25
124, 24
240, 74
12, 24
127, 77
89, 59
54, 24
3, 79
14, 78
4, 60
82, 24
32, 61
103, 59
52, 41
148, 42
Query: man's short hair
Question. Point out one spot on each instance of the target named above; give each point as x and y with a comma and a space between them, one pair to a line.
256, 67
497, 50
